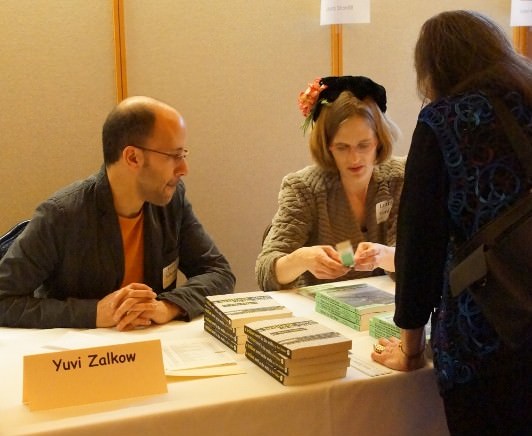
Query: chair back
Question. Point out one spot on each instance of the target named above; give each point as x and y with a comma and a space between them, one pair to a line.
7, 239
265, 233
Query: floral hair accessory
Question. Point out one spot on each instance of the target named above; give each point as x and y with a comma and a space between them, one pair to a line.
327, 89
307, 98
307, 101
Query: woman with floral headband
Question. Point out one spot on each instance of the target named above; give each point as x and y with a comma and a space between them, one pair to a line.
351, 193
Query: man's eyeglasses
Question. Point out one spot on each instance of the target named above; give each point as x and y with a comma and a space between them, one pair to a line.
177, 157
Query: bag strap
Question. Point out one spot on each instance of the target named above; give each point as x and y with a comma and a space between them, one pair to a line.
515, 134
490, 231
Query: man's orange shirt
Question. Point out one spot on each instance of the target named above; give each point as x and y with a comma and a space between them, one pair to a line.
132, 230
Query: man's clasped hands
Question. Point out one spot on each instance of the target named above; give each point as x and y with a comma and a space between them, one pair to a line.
134, 305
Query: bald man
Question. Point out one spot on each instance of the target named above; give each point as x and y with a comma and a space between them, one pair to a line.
105, 251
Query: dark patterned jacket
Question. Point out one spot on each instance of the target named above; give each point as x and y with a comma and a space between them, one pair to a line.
461, 172
70, 256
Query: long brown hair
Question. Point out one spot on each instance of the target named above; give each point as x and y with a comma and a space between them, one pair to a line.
459, 51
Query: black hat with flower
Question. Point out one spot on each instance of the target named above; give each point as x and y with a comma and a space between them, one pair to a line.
327, 89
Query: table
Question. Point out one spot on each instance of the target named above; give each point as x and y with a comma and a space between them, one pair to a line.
246, 404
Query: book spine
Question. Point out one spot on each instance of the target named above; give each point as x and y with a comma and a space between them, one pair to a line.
323, 298
338, 311
272, 358
340, 319
221, 337
267, 342
214, 313
257, 357
222, 328
380, 328
265, 367
385, 328
359, 310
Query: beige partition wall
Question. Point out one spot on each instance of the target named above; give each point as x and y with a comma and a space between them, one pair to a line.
384, 49
233, 68
56, 87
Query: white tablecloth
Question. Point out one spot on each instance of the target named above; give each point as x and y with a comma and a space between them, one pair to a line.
246, 404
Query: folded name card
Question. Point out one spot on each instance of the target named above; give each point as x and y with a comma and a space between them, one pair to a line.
89, 375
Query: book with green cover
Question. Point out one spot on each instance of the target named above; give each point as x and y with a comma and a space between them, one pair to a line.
353, 305
350, 320
312, 290
237, 309
381, 325
358, 299
297, 337
327, 306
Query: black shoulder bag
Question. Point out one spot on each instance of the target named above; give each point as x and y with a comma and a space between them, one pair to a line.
497, 260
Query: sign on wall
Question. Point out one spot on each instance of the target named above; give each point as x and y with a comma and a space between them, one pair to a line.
344, 12
521, 14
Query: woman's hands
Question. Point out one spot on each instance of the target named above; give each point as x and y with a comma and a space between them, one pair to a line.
323, 261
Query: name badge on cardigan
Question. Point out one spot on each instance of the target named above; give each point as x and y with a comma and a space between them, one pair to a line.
383, 209
170, 274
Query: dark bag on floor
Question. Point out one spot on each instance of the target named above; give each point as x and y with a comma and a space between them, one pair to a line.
498, 259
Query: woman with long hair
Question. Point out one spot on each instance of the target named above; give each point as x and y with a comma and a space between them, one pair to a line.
461, 173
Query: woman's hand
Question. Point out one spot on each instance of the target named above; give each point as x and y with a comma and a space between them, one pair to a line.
370, 255
406, 354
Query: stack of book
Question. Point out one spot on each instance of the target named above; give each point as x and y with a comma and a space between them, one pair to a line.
312, 290
354, 305
225, 315
382, 326
297, 350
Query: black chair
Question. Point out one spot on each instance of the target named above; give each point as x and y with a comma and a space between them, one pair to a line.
265, 233
7, 239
